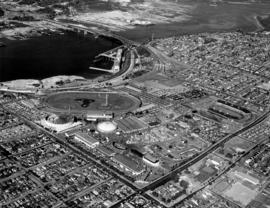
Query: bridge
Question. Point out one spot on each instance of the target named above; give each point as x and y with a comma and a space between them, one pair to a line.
96, 33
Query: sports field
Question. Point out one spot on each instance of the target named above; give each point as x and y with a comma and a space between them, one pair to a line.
240, 193
91, 102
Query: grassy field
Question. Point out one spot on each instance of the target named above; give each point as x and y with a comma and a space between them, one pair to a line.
77, 102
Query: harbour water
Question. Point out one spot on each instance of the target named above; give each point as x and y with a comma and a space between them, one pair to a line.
72, 54
52, 55
223, 17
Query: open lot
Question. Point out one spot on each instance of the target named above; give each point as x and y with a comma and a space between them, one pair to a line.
240, 193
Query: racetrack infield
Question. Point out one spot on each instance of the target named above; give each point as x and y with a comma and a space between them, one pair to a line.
91, 102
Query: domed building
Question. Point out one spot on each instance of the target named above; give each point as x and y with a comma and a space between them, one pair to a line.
106, 127
59, 123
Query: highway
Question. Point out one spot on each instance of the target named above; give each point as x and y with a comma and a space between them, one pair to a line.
210, 149
82, 152
156, 53
72, 27
159, 181
118, 79
224, 171
165, 59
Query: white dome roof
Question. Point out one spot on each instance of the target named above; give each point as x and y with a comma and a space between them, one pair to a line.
106, 127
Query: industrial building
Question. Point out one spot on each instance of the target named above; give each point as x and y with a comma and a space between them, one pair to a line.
86, 139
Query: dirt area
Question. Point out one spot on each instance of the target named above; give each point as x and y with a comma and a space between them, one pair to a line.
142, 13
32, 84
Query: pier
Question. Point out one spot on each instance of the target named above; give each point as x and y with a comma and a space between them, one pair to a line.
116, 55
111, 53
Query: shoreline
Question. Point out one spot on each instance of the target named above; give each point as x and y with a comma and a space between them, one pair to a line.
258, 23
61, 31
68, 81
58, 30
94, 80
74, 80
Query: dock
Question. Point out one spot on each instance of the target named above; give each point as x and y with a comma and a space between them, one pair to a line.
100, 69
115, 54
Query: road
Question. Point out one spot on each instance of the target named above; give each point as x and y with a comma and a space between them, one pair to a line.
165, 59
174, 64
159, 181
167, 177
222, 172
119, 78
62, 141
210, 149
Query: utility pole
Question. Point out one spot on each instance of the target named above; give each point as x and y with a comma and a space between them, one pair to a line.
106, 100
106, 104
